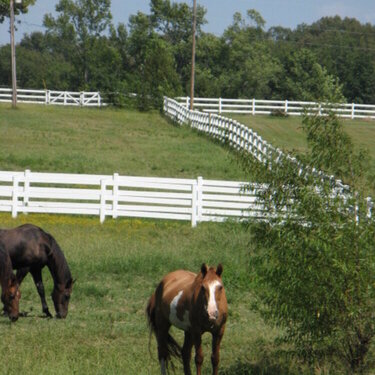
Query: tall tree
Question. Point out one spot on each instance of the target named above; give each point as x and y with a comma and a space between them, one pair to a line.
173, 21
22, 8
303, 78
76, 29
249, 70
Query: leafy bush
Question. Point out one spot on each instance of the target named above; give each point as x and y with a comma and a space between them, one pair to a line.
314, 267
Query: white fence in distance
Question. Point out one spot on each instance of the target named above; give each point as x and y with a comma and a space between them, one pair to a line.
195, 200
71, 98
242, 138
287, 107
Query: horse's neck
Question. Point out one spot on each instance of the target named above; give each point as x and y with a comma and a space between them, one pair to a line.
58, 267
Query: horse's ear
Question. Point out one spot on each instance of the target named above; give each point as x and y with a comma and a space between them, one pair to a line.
204, 269
219, 269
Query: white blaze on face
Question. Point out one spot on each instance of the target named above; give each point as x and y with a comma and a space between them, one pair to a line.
173, 318
211, 305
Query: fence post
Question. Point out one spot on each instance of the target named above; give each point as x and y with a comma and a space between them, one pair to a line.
187, 102
47, 97
353, 111
15, 196
220, 104
102, 200
65, 98
26, 188
115, 196
253, 107
199, 198
194, 200
99, 100
286, 107
81, 98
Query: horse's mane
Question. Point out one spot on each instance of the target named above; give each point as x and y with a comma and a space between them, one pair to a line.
56, 261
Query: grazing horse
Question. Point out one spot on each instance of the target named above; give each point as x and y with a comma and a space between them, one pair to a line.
10, 293
195, 303
30, 249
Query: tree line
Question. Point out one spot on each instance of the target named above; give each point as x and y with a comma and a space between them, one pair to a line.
81, 49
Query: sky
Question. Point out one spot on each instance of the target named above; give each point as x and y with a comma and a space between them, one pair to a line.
286, 13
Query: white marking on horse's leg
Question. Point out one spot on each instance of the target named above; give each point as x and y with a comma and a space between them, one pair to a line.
162, 367
212, 305
173, 318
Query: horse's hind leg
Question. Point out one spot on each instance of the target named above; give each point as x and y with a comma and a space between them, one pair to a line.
162, 341
37, 277
186, 353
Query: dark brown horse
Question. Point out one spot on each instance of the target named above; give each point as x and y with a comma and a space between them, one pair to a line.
10, 293
195, 304
30, 249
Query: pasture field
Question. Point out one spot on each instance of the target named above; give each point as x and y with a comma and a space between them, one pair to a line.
117, 265
104, 141
286, 132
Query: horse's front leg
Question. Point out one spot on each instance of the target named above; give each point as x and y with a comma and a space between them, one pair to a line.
186, 353
215, 356
197, 338
37, 277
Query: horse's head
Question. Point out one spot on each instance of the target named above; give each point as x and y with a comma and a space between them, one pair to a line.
10, 297
61, 297
211, 295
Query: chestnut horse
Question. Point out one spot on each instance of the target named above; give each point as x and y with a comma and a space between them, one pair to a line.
195, 303
10, 294
30, 249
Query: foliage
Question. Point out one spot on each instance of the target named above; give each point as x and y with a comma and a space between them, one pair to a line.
307, 80
314, 268
77, 31
22, 8
330, 60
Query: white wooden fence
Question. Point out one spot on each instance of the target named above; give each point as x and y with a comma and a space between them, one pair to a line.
242, 138
265, 107
196, 200
84, 99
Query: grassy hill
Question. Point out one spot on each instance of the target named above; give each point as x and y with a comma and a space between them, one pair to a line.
104, 141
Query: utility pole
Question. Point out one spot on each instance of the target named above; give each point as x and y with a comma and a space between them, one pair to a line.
193, 56
13, 53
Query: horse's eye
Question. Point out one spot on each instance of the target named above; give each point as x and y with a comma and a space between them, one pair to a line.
11, 297
220, 288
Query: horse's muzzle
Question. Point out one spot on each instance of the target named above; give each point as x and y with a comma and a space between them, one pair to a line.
13, 318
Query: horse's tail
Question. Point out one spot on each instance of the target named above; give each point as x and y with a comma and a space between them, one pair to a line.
173, 348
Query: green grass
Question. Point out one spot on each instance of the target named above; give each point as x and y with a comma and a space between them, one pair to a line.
117, 266
104, 141
286, 132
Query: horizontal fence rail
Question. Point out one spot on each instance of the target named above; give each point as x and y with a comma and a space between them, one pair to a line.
242, 138
286, 107
195, 200
71, 98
